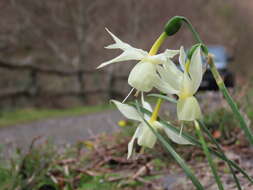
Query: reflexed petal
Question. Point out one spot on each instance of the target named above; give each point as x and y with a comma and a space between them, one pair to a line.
142, 76
145, 104
130, 53
182, 58
173, 69
169, 53
164, 87
118, 43
195, 69
171, 74
128, 111
163, 58
188, 109
124, 46
175, 137
146, 138
157, 59
125, 56
131, 143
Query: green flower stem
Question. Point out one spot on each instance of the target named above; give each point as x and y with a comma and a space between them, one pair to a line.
229, 99
192, 29
154, 49
156, 110
221, 152
208, 155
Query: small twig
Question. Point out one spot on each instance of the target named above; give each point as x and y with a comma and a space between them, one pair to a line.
142, 171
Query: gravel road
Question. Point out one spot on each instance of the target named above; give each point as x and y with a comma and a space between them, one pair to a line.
64, 130
60, 130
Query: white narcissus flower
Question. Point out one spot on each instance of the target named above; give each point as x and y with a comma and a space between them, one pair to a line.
143, 74
144, 135
184, 84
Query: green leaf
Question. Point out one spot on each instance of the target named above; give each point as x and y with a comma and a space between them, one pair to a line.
176, 156
219, 81
197, 143
208, 156
218, 154
164, 97
210, 136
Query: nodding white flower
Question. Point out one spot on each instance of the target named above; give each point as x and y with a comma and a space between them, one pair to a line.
143, 74
184, 84
144, 135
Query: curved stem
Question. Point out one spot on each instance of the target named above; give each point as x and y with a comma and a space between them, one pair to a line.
154, 49
195, 33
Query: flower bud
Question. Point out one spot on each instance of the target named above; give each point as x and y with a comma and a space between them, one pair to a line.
173, 25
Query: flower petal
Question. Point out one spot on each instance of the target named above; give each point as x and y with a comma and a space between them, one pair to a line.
186, 86
119, 44
164, 57
131, 143
182, 58
142, 76
128, 111
164, 87
195, 69
169, 53
188, 109
175, 137
171, 74
146, 138
145, 104
130, 53
125, 56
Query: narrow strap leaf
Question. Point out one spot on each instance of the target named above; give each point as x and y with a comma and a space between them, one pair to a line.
202, 124
197, 143
208, 156
164, 97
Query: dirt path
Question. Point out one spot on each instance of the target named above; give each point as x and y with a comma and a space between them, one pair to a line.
61, 130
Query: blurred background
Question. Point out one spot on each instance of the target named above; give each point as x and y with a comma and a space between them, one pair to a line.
49, 49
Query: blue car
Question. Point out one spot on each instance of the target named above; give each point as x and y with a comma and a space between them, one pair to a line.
222, 59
